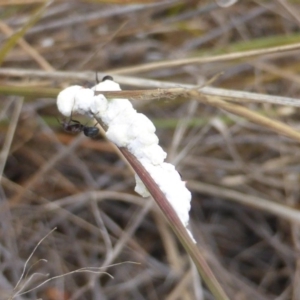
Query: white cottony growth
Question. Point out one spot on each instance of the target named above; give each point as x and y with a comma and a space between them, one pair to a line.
116, 110
66, 99
170, 183
117, 133
152, 153
99, 105
127, 128
83, 101
140, 187
107, 85
145, 126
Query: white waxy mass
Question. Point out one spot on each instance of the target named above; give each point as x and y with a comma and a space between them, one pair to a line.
127, 128
66, 100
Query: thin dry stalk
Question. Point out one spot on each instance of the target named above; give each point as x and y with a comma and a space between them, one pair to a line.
202, 60
276, 126
177, 226
27, 48
9, 135
225, 94
283, 211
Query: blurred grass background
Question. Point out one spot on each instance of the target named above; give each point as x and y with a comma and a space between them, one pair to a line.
79, 185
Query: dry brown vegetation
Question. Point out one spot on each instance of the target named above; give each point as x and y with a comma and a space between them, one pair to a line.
237, 147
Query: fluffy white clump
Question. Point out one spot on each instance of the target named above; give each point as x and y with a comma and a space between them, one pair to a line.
140, 125
66, 99
107, 85
127, 128
140, 187
170, 183
116, 110
153, 153
84, 99
99, 105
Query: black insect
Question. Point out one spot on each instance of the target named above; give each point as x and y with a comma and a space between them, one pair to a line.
74, 126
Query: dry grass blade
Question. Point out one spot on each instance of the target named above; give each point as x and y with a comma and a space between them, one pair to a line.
176, 224
283, 211
172, 94
9, 135
201, 60
26, 47
274, 125
14, 39
20, 2
226, 94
